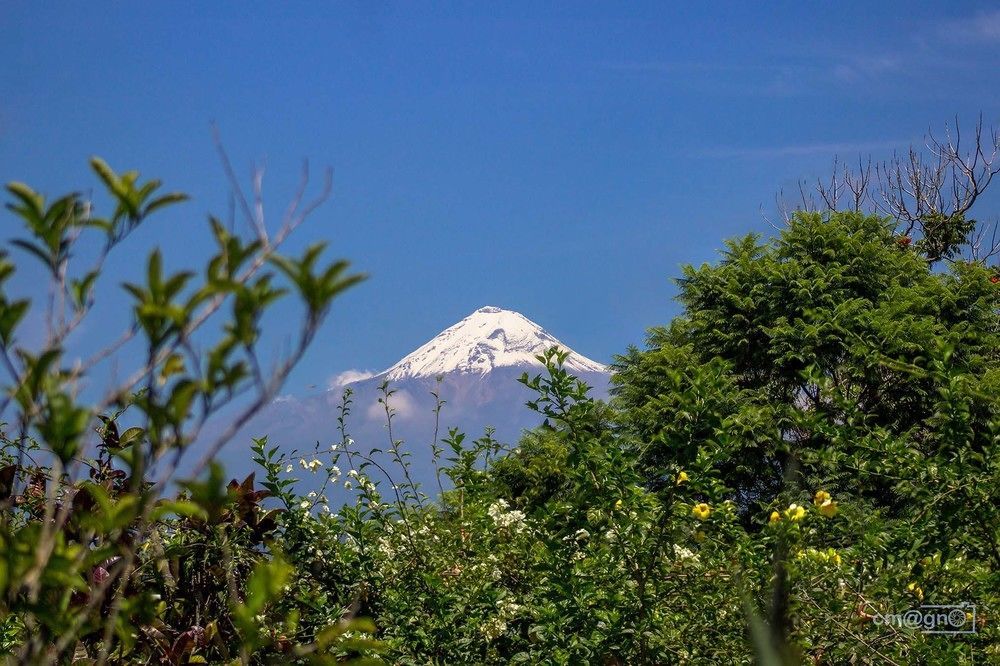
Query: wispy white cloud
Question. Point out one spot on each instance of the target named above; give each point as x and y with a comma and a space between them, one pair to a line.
801, 149
347, 377
689, 66
909, 56
866, 67
981, 28
805, 75
727, 77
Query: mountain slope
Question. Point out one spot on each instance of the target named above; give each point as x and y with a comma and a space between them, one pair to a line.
487, 339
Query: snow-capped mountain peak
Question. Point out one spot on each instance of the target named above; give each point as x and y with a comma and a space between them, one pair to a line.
489, 338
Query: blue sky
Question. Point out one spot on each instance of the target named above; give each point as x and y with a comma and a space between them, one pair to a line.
562, 162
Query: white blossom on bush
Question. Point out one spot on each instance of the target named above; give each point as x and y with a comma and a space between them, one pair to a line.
512, 520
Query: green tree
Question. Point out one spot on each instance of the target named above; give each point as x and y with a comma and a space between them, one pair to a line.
835, 357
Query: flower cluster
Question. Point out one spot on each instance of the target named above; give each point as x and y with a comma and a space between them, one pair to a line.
796, 512
825, 504
495, 627
682, 553
311, 465
512, 520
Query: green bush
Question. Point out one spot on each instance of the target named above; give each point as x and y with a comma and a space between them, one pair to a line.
811, 447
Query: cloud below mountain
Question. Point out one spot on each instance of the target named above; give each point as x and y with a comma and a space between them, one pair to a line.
347, 377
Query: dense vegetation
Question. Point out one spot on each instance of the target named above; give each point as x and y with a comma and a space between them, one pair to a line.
811, 446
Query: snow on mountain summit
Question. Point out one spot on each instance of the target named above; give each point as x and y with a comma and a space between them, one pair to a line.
488, 338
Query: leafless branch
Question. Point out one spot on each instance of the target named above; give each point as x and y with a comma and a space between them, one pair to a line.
929, 190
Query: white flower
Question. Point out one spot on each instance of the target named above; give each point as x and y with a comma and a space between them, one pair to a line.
581, 535
289, 468
311, 494
508, 607
497, 509
506, 519
304, 504
305, 465
334, 447
683, 553
314, 465
347, 485
495, 626
353, 474
386, 547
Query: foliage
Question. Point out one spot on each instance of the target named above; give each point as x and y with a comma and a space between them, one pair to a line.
97, 566
807, 451
811, 447
836, 358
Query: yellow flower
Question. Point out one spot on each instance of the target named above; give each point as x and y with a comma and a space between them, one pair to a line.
795, 512
775, 517
833, 556
682, 477
618, 505
701, 511
820, 497
916, 590
699, 536
828, 508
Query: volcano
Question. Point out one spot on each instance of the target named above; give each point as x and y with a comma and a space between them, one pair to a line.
473, 366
